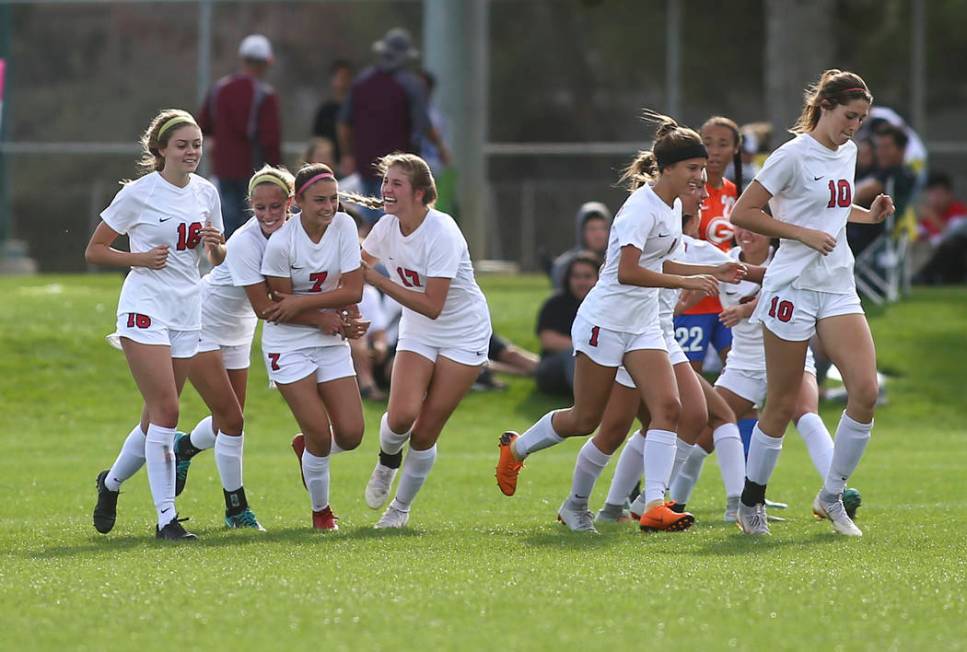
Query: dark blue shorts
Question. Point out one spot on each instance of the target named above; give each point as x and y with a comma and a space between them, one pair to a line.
695, 332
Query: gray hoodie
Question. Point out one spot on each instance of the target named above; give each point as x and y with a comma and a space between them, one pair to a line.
587, 211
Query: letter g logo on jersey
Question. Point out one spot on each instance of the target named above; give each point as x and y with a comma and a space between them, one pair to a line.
719, 230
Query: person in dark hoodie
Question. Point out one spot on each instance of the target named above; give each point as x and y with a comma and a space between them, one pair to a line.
555, 371
593, 224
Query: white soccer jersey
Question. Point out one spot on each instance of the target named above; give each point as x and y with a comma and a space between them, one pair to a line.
812, 187
646, 223
747, 352
694, 252
226, 314
313, 268
436, 249
153, 212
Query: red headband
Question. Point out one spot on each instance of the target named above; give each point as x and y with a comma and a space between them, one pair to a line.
318, 177
858, 88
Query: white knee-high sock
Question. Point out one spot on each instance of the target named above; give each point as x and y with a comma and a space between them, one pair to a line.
203, 435
659, 459
228, 459
315, 470
763, 456
682, 451
731, 457
587, 469
415, 469
129, 460
688, 474
631, 464
818, 442
159, 455
851, 440
539, 436
389, 441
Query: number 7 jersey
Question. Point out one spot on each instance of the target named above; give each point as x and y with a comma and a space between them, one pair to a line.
153, 213
812, 187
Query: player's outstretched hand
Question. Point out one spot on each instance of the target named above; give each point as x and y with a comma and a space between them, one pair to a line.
731, 272
701, 282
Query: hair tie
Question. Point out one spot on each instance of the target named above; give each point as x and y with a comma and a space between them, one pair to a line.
267, 178
682, 153
318, 177
178, 119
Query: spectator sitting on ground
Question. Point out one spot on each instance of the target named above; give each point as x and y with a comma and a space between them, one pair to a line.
327, 115
943, 221
592, 226
240, 120
555, 371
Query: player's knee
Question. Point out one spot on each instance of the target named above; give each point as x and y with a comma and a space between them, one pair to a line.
585, 424
230, 420
164, 413
668, 412
864, 394
400, 422
349, 438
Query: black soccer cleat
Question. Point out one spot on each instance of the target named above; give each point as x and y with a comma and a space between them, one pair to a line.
106, 510
174, 531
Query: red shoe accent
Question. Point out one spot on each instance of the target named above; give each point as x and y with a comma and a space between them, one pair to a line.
324, 520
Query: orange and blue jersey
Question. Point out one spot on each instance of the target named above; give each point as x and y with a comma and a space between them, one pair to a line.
715, 227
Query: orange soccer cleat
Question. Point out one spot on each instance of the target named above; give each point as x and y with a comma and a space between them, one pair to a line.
508, 466
663, 518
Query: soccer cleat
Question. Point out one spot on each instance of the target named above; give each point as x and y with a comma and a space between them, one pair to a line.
325, 520
731, 509
174, 531
836, 513
577, 520
663, 518
106, 510
299, 446
182, 463
393, 517
378, 487
612, 514
753, 520
508, 466
852, 501
245, 519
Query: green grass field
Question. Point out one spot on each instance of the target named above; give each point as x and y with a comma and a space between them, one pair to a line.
475, 570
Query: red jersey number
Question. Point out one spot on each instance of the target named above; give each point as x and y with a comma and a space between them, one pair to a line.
317, 278
189, 235
840, 194
410, 278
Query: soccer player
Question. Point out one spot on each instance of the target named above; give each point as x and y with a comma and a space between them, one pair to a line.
618, 324
220, 370
698, 404
312, 264
809, 288
698, 326
444, 330
171, 217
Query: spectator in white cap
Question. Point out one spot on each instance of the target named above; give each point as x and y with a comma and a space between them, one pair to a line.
241, 116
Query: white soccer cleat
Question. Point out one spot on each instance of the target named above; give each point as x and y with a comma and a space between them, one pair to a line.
378, 487
836, 513
393, 517
577, 520
731, 509
753, 520
612, 514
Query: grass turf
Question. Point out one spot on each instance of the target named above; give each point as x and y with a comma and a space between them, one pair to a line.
475, 570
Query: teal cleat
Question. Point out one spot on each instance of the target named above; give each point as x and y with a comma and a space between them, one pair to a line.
244, 519
852, 501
